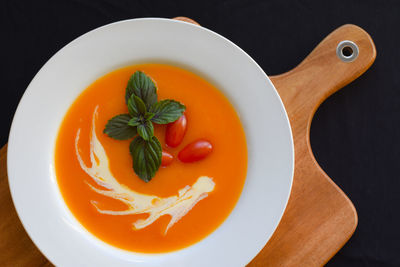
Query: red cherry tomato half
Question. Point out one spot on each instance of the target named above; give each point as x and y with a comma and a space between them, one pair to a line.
166, 159
195, 151
176, 131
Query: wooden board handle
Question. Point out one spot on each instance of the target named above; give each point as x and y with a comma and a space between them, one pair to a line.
319, 218
322, 72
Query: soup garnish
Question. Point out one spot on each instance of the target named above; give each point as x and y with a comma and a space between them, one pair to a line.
144, 110
175, 132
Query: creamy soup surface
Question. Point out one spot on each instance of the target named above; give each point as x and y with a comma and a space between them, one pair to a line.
184, 202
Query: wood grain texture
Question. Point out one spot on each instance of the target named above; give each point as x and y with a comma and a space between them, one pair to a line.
319, 218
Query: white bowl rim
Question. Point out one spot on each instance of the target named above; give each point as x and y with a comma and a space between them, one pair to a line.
153, 259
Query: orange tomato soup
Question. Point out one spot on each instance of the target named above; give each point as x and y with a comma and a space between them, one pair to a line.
209, 116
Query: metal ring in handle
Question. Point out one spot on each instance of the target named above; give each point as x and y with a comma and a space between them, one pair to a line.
347, 51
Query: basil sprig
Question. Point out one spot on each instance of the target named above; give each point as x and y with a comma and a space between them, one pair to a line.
144, 110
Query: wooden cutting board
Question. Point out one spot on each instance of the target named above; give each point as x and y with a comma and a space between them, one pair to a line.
319, 218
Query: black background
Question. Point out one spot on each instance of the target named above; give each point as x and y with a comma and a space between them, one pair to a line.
354, 133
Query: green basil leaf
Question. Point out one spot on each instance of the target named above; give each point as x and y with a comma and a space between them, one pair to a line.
136, 106
118, 128
146, 157
141, 107
135, 121
166, 111
149, 115
146, 130
143, 87
133, 110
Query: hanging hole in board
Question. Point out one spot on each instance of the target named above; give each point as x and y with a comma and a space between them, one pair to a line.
347, 51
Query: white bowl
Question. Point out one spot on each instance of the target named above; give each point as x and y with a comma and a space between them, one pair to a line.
33, 184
